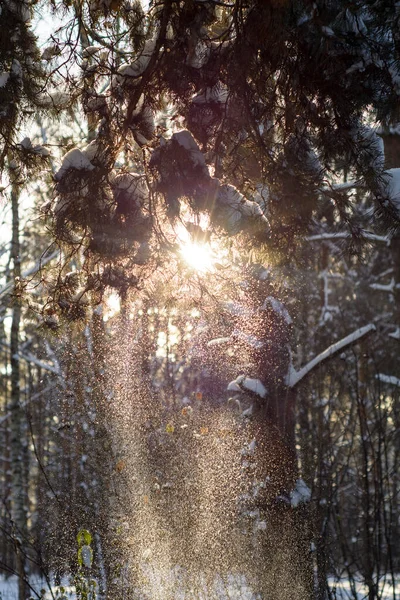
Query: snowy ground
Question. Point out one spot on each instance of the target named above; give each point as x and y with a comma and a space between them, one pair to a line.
9, 589
237, 590
343, 590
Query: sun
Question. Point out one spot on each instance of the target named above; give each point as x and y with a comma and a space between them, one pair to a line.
199, 257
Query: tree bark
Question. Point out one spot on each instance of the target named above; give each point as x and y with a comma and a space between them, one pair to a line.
283, 550
17, 429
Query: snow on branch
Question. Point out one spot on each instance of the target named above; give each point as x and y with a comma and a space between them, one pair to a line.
388, 379
219, 341
343, 187
343, 235
36, 267
248, 383
389, 287
301, 494
294, 377
396, 334
32, 359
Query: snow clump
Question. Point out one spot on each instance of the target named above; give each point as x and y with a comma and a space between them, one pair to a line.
74, 159
250, 384
301, 493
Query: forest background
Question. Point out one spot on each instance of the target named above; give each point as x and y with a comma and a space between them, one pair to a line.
199, 301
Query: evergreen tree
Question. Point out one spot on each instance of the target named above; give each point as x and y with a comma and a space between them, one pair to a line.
243, 125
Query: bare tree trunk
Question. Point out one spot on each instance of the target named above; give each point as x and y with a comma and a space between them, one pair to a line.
284, 558
18, 492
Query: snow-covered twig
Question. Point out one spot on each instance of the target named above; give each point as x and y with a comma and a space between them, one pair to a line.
388, 379
344, 235
36, 267
52, 355
294, 377
30, 358
219, 341
390, 287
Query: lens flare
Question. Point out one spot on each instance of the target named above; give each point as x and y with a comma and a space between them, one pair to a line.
199, 257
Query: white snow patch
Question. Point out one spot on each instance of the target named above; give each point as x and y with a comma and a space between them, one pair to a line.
393, 186
4, 77
91, 150
27, 145
250, 448
139, 106
132, 183
138, 66
328, 31
74, 159
248, 412
260, 525
185, 139
234, 386
86, 555
343, 590
344, 235
234, 206
376, 142
253, 385
262, 195
16, 68
231, 587
396, 334
41, 150
301, 493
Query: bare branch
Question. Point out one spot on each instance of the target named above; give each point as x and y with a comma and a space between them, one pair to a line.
294, 377
30, 358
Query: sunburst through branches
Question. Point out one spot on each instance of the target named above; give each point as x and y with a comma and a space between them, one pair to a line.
199, 257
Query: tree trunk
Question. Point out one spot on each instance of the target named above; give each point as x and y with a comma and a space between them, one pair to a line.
18, 493
285, 564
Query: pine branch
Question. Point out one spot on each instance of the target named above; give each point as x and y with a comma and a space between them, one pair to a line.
36, 267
